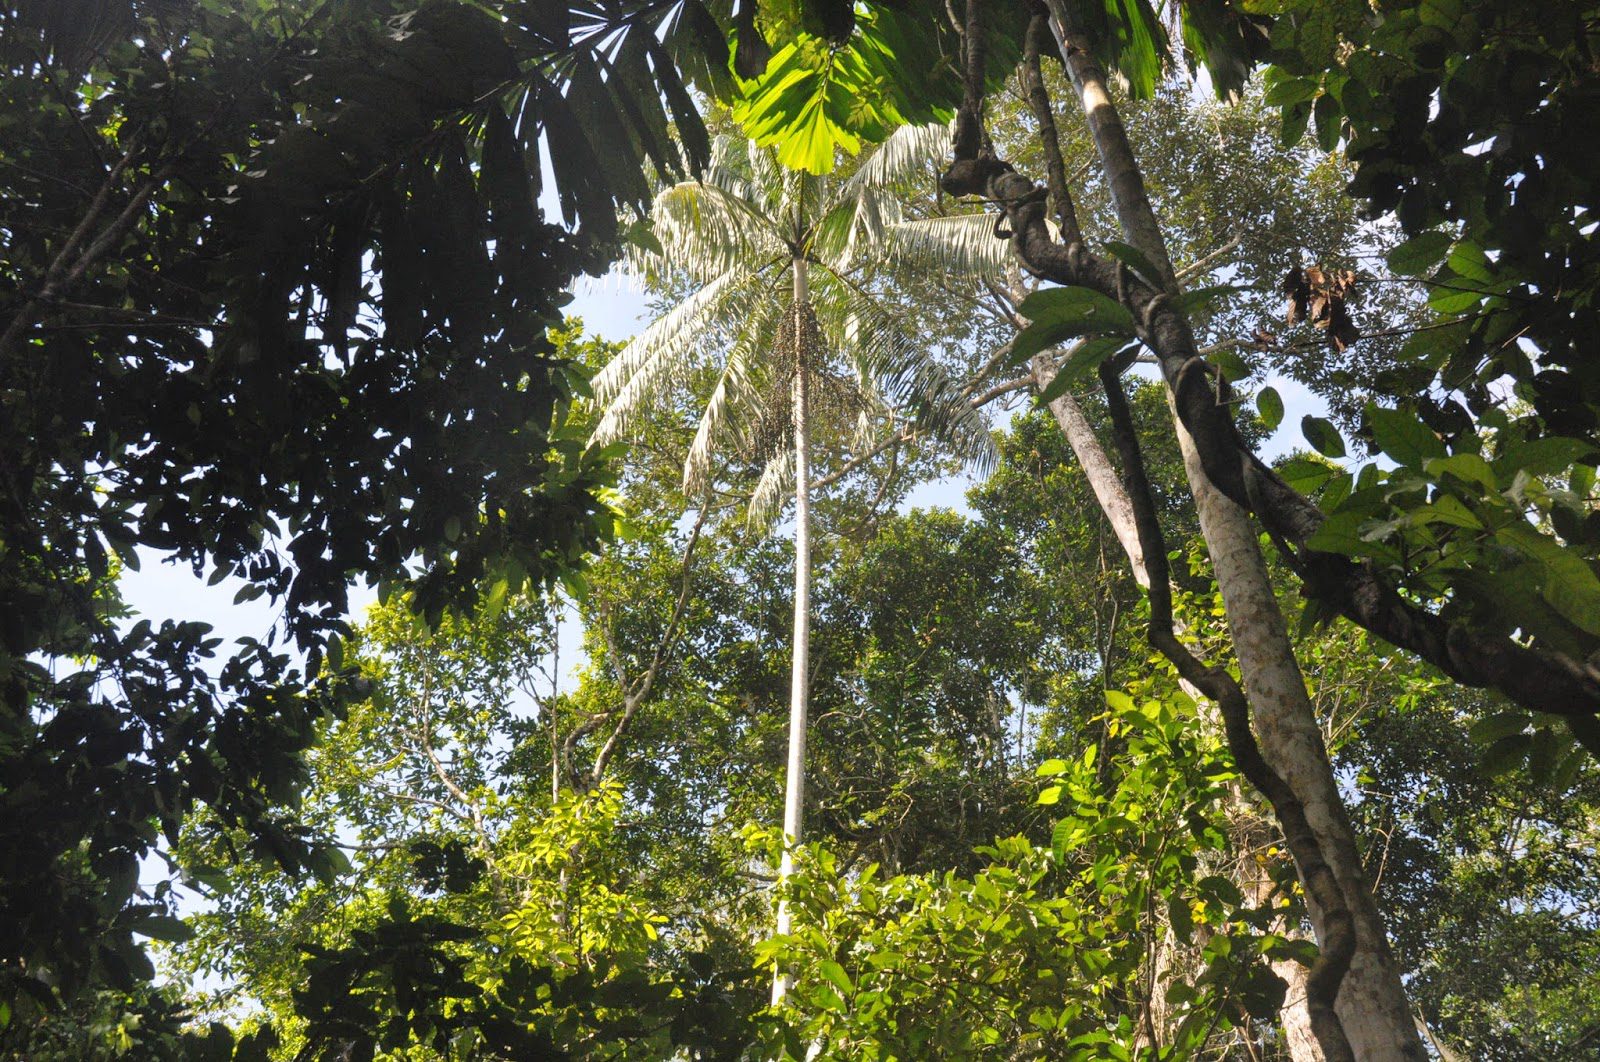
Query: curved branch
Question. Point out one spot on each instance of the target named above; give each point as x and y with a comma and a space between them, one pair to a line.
1338, 944
1537, 679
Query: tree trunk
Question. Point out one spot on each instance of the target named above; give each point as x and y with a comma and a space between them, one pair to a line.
795, 782
1372, 1000
1097, 469
1371, 1003
1113, 499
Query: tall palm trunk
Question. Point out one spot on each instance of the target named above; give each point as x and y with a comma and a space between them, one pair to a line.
799, 688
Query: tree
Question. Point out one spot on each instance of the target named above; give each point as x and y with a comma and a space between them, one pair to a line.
273, 304
748, 234
1098, 300
1494, 190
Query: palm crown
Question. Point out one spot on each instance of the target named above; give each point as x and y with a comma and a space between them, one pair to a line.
738, 235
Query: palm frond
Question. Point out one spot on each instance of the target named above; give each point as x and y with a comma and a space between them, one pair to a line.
705, 230
907, 150
891, 352
959, 245
735, 403
765, 174
661, 354
772, 489
856, 228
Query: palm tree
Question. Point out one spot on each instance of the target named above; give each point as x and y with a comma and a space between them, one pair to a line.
781, 260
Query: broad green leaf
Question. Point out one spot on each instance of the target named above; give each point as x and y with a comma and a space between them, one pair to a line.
163, 927
1506, 755
1296, 116
1084, 359
1403, 436
1072, 302
1135, 260
1323, 436
836, 975
1119, 701
1488, 731
1060, 314
1468, 468
1290, 90
1446, 509
1468, 260
827, 998
1419, 254
1572, 589
1454, 296
1270, 405
1228, 362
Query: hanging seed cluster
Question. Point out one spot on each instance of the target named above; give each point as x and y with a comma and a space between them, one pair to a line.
832, 397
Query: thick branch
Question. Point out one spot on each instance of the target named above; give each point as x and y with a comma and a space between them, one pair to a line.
1537, 679
1338, 944
1044, 115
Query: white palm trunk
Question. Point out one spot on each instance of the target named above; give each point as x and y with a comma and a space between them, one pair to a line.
799, 689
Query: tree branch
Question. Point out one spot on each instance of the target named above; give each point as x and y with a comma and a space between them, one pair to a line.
1538, 679
1044, 114
635, 695
1338, 944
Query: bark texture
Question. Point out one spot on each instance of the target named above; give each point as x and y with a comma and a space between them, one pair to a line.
1371, 1001
1114, 502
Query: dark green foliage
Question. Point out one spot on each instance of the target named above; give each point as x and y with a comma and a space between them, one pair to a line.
1472, 123
274, 295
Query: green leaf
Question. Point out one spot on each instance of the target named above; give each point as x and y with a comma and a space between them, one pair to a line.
1488, 731
836, 975
1296, 117
1329, 117
1119, 701
1451, 299
1084, 359
1306, 474
1506, 755
1050, 795
1419, 254
1468, 260
1063, 836
1181, 918
1096, 312
1228, 362
1050, 768
1468, 468
828, 999
1135, 260
1060, 314
1293, 90
1403, 436
1572, 589
163, 927
1270, 405
1339, 533
1323, 436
